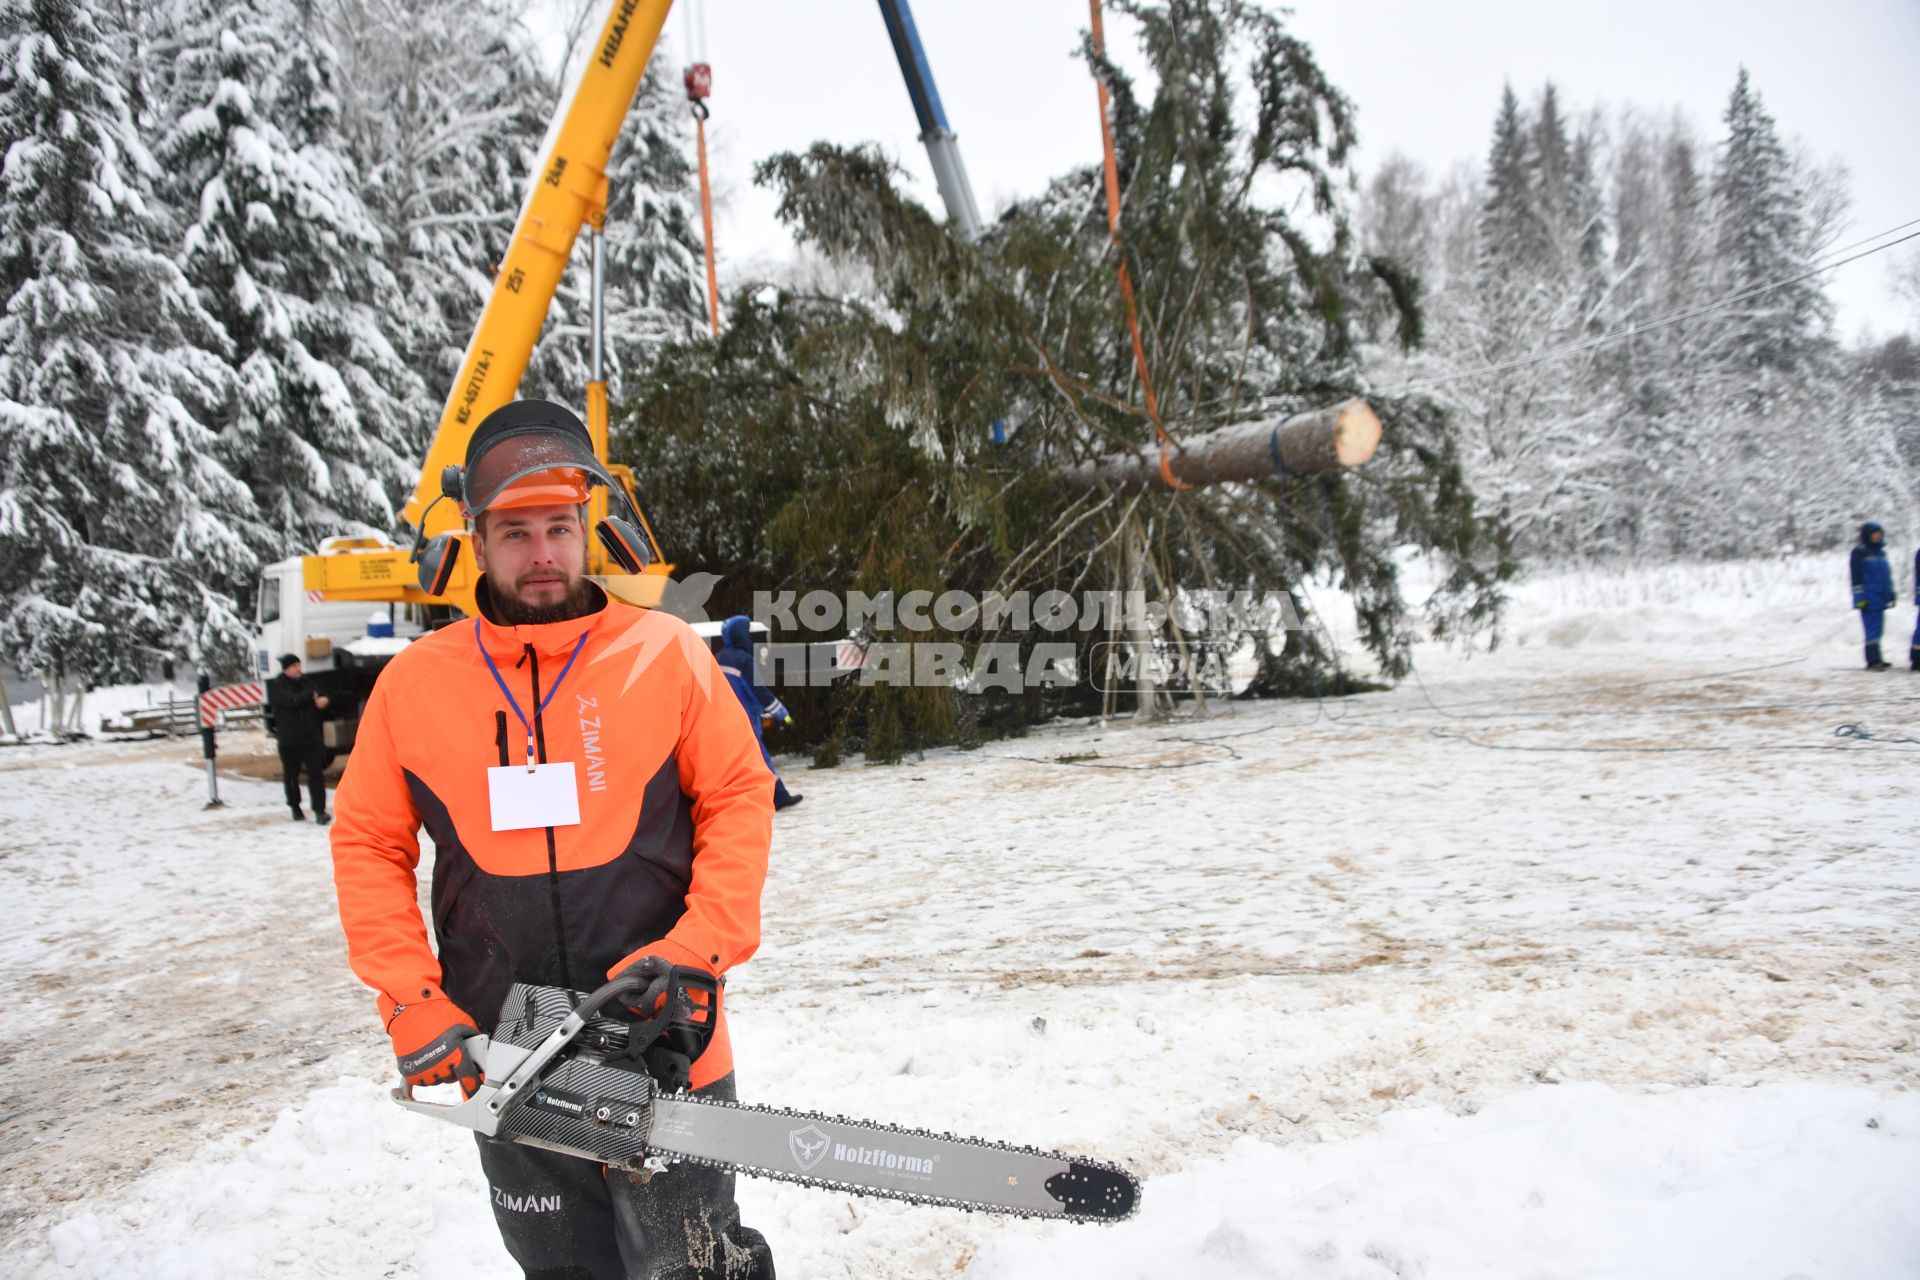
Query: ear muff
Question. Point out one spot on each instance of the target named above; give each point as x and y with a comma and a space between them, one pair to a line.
453, 482
437, 560
624, 543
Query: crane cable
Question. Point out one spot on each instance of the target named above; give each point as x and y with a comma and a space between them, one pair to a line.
699, 82
1112, 166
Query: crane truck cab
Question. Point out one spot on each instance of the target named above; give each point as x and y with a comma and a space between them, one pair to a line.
341, 644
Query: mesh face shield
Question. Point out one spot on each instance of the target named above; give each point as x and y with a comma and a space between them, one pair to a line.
529, 454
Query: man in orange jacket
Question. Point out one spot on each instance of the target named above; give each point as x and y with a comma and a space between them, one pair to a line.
638, 834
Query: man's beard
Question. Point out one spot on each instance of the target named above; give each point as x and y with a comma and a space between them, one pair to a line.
515, 612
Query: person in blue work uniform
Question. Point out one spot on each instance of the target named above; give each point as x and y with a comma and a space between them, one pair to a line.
1873, 591
736, 659
1913, 646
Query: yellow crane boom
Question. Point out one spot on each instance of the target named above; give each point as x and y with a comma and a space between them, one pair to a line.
567, 191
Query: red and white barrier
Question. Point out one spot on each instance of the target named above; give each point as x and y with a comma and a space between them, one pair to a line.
229, 697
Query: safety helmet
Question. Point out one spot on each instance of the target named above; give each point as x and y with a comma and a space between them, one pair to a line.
531, 453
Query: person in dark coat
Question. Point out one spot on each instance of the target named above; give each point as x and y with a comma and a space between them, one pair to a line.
1913, 646
298, 708
736, 659
1873, 591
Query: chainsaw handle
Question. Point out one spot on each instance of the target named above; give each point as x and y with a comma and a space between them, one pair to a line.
610, 991
677, 1006
472, 1112
668, 1040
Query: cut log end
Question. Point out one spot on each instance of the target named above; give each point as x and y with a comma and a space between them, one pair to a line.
1357, 434
1299, 444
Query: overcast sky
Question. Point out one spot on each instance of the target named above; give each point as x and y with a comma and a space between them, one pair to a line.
1843, 77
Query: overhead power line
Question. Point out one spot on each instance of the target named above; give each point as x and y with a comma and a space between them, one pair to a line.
1674, 317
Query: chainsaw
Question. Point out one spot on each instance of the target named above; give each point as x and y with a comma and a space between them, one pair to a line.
568, 1072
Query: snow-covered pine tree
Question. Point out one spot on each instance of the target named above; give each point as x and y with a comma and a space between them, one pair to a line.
1683, 246
1538, 434
284, 255
1550, 180
1762, 237
115, 518
1511, 231
1637, 208
1781, 453
1676, 403
1507, 313
1580, 466
1659, 225
1568, 225
1586, 227
441, 107
1682, 252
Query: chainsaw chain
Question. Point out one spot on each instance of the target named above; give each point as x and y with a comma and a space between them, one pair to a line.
911, 1197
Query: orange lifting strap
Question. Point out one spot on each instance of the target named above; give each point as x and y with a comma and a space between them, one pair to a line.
699, 85
1167, 442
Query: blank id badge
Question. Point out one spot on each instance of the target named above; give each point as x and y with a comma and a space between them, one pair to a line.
543, 796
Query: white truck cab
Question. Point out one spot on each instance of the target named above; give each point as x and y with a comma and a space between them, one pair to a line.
341, 644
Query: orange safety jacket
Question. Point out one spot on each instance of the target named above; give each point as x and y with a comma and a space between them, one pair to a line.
676, 814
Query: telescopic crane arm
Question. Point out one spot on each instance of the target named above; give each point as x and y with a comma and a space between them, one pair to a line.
943, 147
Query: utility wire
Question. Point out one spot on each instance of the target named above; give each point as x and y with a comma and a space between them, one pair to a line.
1870, 239
1660, 322
1267, 404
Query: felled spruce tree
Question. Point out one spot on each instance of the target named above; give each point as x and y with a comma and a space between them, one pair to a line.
845, 440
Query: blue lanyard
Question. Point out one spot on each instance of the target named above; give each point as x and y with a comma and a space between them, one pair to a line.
488, 658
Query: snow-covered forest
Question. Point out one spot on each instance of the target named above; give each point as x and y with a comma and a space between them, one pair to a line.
244, 244
1623, 316
243, 247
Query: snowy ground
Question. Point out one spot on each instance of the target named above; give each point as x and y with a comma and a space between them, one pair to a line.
1595, 957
